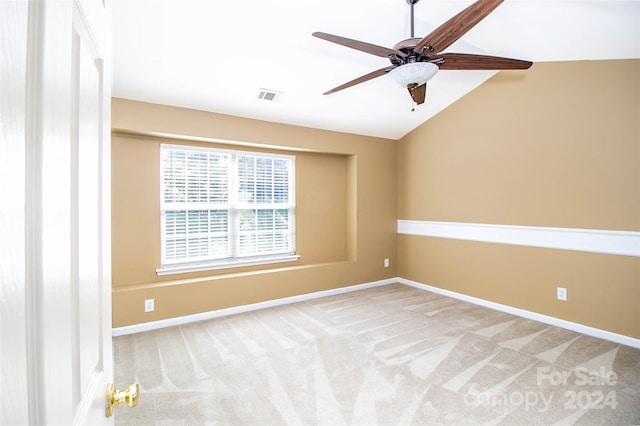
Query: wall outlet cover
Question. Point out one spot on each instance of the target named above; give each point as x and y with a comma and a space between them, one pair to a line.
561, 293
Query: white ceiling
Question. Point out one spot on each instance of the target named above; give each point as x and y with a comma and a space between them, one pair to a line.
216, 55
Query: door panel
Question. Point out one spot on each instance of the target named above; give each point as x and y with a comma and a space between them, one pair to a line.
58, 154
86, 205
91, 284
87, 226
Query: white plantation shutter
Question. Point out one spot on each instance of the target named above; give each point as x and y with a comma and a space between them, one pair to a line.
225, 206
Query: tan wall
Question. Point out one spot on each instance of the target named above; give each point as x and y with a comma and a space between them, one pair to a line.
345, 213
556, 146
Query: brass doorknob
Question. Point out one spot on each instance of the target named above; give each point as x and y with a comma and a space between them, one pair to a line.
129, 396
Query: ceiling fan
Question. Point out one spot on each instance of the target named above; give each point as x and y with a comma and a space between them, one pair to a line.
414, 61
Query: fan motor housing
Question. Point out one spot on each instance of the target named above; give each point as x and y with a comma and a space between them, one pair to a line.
407, 46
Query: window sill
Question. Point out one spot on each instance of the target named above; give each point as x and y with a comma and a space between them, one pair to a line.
183, 269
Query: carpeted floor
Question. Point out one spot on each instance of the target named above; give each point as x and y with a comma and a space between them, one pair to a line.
390, 355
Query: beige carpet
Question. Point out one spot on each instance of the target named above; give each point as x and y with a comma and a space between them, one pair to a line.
391, 355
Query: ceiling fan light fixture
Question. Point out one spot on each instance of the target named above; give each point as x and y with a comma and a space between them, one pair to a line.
413, 73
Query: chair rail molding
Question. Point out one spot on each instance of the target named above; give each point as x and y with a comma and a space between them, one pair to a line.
624, 243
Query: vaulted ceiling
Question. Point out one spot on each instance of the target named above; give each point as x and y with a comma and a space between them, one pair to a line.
217, 56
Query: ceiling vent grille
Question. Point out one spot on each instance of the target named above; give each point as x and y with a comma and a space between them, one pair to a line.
269, 95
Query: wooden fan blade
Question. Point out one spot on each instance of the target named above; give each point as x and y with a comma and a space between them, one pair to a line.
466, 61
361, 79
418, 93
360, 45
446, 34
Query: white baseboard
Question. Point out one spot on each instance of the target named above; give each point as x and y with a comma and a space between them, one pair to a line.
155, 325
579, 328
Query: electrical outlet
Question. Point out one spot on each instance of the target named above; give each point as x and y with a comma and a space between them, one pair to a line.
149, 305
386, 263
561, 293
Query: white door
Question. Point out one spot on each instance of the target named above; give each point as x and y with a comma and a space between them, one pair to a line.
55, 224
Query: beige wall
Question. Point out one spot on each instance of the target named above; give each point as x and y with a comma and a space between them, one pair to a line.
557, 146
345, 212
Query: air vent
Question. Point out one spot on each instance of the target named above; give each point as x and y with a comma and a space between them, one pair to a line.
269, 95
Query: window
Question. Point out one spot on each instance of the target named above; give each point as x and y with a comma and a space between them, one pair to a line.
222, 208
